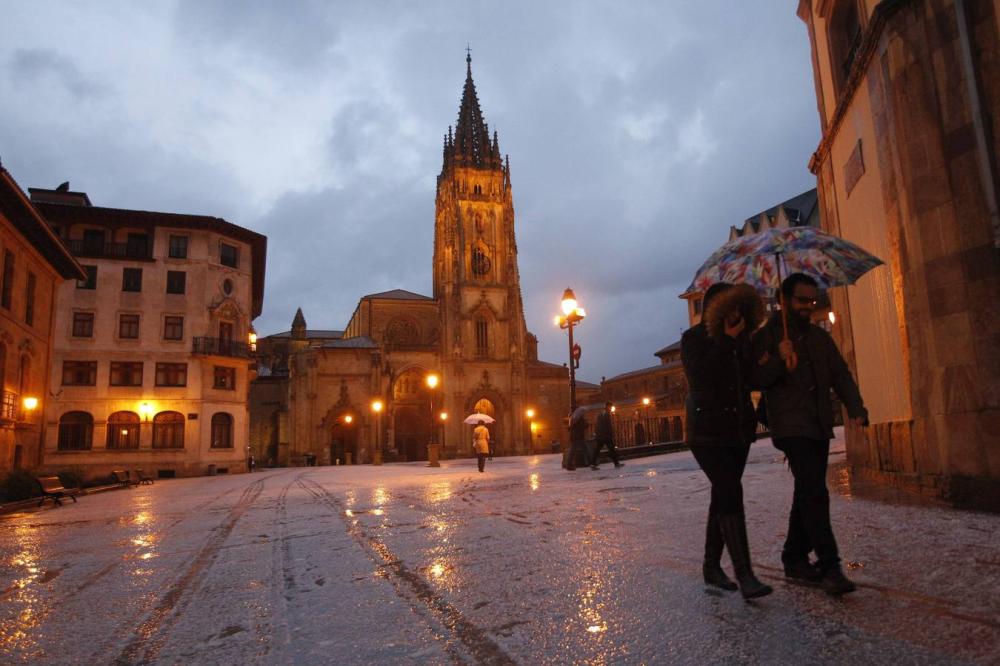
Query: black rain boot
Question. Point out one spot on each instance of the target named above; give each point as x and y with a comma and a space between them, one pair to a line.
711, 568
835, 583
734, 530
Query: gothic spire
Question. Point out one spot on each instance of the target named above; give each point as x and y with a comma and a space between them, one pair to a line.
472, 138
299, 324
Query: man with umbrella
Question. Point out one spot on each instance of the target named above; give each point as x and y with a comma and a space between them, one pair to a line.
797, 365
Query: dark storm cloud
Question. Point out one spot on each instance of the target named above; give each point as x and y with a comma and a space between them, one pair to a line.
637, 133
32, 67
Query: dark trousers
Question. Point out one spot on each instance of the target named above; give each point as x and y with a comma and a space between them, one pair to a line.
809, 520
612, 451
723, 465
481, 459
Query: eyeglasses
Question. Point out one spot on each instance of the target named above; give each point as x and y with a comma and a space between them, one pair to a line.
805, 300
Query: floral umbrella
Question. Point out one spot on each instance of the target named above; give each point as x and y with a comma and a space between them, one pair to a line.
759, 259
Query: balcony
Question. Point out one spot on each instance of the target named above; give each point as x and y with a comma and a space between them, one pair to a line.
221, 347
130, 251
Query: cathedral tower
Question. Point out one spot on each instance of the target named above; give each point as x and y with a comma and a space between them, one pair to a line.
475, 255
476, 278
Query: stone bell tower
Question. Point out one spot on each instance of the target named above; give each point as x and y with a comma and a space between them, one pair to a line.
476, 278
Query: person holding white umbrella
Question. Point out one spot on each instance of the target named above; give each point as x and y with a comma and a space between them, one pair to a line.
481, 443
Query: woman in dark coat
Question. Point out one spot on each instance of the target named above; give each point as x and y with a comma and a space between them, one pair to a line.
721, 423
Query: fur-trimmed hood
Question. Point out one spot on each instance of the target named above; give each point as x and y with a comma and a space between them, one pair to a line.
740, 297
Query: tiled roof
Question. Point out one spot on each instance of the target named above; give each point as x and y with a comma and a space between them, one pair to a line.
669, 348
313, 334
28, 220
359, 342
798, 209
643, 371
399, 295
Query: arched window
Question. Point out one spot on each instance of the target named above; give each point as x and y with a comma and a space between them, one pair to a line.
3, 366
168, 430
76, 431
480, 262
123, 430
482, 337
844, 36
222, 431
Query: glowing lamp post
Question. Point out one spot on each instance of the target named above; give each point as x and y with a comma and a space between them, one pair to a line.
377, 407
645, 418
146, 409
433, 381
571, 316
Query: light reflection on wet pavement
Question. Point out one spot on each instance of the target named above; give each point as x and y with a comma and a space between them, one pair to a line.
524, 564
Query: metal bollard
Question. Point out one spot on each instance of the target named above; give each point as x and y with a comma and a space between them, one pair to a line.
433, 452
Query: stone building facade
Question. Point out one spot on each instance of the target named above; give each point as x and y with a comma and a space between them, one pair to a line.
151, 359
470, 334
33, 263
908, 93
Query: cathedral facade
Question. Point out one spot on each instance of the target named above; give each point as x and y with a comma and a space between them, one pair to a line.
408, 368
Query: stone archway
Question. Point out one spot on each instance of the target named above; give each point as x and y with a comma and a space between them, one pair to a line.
412, 425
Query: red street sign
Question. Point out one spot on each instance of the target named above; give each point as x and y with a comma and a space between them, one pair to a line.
577, 352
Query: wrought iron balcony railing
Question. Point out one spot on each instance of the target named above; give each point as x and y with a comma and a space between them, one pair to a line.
84, 248
221, 347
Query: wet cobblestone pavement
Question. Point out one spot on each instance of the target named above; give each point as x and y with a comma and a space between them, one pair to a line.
525, 564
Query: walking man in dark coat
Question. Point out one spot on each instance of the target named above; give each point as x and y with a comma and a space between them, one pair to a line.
797, 375
604, 433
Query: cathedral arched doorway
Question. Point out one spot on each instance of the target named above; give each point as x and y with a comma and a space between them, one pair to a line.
412, 426
485, 405
344, 440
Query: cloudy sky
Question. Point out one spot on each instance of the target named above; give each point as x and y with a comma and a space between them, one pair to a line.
638, 132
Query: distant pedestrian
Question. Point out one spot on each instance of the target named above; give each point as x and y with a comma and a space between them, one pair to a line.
577, 436
481, 443
721, 424
252, 464
604, 433
797, 375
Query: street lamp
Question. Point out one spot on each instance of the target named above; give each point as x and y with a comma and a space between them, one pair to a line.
433, 381
252, 339
377, 407
146, 409
645, 418
572, 315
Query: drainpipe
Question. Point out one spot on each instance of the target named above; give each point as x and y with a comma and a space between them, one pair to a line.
983, 154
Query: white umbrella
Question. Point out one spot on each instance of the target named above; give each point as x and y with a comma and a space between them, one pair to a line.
473, 419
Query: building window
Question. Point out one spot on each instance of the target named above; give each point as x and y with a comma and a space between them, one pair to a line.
89, 282
175, 282
171, 374
126, 373
482, 337
8, 279
178, 247
131, 279
93, 242
480, 263
128, 326
222, 431
123, 430
844, 37
173, 328
229, 255
225, 378
83, 324
168, 430
79, 373
29, 300
137, 246
76, 431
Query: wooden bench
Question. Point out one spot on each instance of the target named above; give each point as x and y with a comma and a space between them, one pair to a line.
122, 478
143, 477
52, 487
